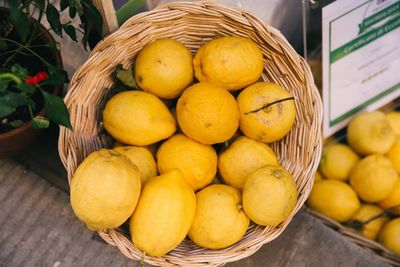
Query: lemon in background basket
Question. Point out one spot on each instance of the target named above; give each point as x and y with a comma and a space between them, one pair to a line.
138, 118
394, 120
372, 220
373, 178
197, 162
269, 195
164, 214
334, 199
390, 235
267, 112
337, 161
393, 200
207, 113
244, 156
219, 220
394, 155
231, 62
142, 158
105, 190
164, 68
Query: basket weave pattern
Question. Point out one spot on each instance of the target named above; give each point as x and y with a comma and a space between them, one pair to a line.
193, 24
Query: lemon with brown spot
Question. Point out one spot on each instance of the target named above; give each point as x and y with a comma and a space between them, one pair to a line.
207, 113
269, 195
244, 156
197, 162
372, 219
267, 112
164, 68
105, 190
230, 62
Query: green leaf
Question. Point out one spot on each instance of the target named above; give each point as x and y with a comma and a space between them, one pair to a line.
64, 4
19, 71
3, 45
14, 100
40, 122
5, 110
40, 4
78, 6
70, 30
94, 16
16, 123
26, 88
4, 85
57, 77
56, 110
54, 19
72, 12
20, 22
125, 76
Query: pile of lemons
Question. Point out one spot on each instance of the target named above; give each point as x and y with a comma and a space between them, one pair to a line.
192, 157
358, 184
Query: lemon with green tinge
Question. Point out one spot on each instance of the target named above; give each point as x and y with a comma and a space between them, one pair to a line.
269, 195
164, 214
142, 158
138, 118
267, 112
197, 162
230, 62
244, 156
337, 161
390, 236
207, 113
368, 212
334, 199
105, 190
164, 68
373, 178
394, 155
219, 220
370, 133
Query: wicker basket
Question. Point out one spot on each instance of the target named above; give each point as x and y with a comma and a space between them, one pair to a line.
194, 24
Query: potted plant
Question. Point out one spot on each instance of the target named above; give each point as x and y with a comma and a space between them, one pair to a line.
31, 70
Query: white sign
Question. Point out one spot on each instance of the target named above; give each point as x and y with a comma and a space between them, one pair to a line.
361, 58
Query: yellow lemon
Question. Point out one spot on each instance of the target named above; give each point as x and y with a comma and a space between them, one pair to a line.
390, 235
260, 121
394, 155
318, 177
207, 113
373, 178
105, 190
142, 158
393, 200
269, 195
370, 133
334, 199
219, 220
337, 161
242, 158
164, 214
138, 118
366, 213
164, 68
197, 162
394, 120
230, 62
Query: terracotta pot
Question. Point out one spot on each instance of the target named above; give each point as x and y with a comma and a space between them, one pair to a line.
17, 140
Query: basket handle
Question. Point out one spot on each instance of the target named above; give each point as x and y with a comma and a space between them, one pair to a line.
107, 11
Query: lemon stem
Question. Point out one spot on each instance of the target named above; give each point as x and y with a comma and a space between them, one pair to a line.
270, 104
239, 206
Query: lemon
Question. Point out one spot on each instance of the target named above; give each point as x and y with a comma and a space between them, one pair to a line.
318, 177
370, 133
393, 200
334, 199
105, 190
219, 220
207, 113
394, 120
394, 155
164, 68
390, 235
197, 162
337, 161
243, 157
142, 158
164, 214
373, 178
230, 62
266, 124
138, 118
269, 195
368, 212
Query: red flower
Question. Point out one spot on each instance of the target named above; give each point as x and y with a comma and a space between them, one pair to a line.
36, 79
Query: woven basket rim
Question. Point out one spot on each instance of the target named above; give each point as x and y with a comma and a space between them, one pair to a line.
70, 144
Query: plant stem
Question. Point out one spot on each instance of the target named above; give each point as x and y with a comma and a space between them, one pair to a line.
385, 212
270, 104
12, 76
